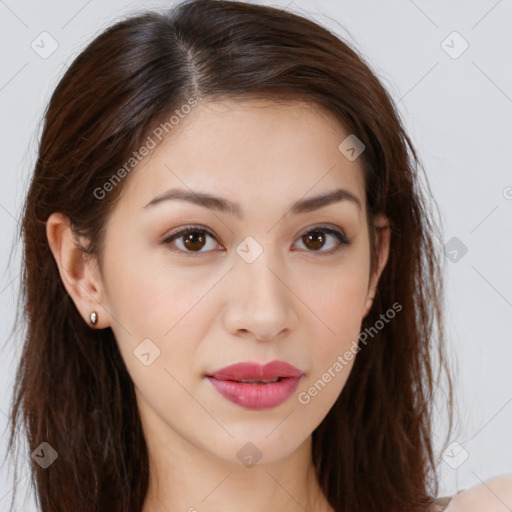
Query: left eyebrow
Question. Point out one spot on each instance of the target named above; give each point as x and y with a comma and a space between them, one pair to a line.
226, 206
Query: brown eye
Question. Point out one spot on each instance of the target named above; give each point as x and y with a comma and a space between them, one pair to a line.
315, 239
192, 239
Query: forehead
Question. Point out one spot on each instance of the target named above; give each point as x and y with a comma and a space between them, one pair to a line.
253, 151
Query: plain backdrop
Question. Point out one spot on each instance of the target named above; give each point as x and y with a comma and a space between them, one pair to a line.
445, 64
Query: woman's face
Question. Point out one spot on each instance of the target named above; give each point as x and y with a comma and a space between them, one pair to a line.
266, 282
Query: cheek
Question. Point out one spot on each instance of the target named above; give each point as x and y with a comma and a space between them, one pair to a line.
333, 349
159, 309
337, 294
147, 294
341, 317
337, 298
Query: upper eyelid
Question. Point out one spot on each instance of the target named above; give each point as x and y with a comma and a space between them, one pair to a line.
199, 227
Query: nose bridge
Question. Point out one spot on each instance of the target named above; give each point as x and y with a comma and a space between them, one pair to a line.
262, 278
260, 301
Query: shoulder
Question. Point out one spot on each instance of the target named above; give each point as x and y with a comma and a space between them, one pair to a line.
492, 495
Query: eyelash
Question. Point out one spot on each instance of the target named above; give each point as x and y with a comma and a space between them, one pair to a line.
343, 241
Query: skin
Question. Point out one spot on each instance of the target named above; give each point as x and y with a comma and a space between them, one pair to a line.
494, 495
293, 303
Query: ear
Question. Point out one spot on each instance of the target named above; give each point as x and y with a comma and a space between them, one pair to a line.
79, 271
382, 246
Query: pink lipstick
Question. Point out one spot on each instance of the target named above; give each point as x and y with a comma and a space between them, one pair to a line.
254, 386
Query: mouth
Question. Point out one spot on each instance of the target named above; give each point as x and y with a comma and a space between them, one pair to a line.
255, 372
259, 381
254, 386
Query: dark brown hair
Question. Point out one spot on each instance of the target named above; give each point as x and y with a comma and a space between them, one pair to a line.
374, 450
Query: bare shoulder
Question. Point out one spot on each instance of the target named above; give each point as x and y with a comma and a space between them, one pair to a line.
492, 495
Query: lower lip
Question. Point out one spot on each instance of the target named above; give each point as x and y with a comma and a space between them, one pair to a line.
256, 396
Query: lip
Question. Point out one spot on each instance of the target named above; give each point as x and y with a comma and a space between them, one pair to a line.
255, 370
228, 382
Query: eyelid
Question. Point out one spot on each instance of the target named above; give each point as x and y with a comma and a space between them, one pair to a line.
185, 229
331, 229
179, 232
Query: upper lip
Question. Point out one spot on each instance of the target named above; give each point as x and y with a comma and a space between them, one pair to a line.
255, 370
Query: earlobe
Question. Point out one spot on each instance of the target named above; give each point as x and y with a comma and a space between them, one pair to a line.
78, 271
368, 305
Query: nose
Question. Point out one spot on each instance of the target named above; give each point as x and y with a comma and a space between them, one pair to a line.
261, 302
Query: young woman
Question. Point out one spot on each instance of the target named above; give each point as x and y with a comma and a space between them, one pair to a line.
231, 279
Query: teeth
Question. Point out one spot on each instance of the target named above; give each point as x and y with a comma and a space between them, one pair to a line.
260, 380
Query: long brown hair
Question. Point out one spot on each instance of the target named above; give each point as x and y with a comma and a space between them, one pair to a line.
374, 449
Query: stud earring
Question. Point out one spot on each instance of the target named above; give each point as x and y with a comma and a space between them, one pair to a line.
94, 318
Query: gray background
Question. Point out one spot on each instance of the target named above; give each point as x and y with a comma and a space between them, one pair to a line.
457, 109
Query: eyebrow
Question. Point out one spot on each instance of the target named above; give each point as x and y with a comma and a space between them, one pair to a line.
226, 206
